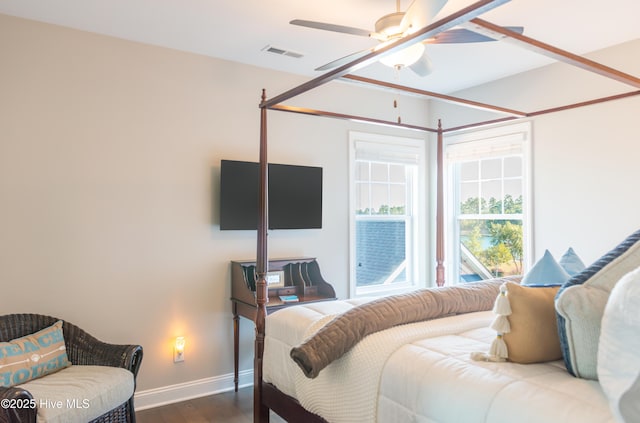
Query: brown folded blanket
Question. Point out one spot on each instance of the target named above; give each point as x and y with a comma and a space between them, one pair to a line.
343, 332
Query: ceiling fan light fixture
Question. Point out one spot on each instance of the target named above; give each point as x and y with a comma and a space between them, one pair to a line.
405, 57
390, 25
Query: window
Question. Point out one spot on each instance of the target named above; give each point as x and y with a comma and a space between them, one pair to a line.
387, 219
488, 203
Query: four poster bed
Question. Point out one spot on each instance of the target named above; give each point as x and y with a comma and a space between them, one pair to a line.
450, 328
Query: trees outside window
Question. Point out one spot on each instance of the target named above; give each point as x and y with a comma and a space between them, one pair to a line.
488, 203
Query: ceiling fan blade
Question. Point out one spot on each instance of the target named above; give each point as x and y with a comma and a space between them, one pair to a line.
423, 66
344, 60
462, 35
331, 27
420, 14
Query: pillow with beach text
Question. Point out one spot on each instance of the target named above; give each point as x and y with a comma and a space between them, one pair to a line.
33, 356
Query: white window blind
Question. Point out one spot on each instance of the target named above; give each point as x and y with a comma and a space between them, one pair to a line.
377, 152
486, 148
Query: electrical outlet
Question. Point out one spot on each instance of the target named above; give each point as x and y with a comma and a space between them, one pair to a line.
178, 356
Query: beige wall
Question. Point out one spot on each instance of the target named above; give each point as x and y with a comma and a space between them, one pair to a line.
109, 172
585, 161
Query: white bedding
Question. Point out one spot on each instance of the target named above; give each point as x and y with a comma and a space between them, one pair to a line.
422, 372
289, 327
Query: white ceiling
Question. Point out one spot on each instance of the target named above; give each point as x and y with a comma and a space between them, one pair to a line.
239, 30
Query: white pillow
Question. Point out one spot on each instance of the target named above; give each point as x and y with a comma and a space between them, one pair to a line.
630, 403
619, 349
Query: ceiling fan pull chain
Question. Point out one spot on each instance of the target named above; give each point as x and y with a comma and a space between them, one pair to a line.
395, 102
395, 106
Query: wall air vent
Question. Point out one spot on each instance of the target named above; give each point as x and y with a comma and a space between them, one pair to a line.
282, 52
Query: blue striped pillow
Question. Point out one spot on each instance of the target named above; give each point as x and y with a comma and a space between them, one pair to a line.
580, 304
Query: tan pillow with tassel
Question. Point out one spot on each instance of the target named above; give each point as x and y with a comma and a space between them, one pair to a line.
525, 325
533, 337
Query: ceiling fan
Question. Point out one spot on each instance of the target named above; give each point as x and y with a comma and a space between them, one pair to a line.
394, 26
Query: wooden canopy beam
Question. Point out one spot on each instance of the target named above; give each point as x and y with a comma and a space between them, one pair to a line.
478, 124
584, 103
457, 18
313, 112
444, 97
495, 31
440, 207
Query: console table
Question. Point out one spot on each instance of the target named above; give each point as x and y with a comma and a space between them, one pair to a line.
298, 276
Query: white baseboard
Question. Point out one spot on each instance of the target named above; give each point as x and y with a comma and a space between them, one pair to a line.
156, 397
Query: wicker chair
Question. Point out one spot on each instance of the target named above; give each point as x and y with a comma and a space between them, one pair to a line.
82, 349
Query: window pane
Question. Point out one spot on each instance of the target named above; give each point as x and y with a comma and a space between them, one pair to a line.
379, 172
362, 198
512, 166
491, 197
513, 196
398, 201
490, 248
491, 169
397, 173
469, 198
469, 171
379, 199
380, 252
362, 171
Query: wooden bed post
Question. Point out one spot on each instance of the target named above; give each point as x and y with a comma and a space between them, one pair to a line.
260, 412
440, 209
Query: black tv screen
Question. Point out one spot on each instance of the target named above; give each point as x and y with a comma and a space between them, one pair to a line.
295, 196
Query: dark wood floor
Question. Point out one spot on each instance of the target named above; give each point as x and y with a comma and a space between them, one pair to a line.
228, 407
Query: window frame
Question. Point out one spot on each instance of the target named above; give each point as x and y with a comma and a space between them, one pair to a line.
418, 244
499, 141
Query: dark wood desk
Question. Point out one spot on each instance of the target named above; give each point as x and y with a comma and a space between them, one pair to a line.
298, 276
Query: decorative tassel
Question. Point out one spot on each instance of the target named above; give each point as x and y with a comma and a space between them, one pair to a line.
501, 324
498, 351
480, 356
498, 348
502, 306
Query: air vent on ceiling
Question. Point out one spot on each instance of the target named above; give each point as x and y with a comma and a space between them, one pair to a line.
282, 52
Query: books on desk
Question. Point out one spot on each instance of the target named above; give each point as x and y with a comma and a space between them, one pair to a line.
289, 298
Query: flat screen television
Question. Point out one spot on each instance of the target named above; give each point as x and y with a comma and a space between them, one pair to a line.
295, 196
